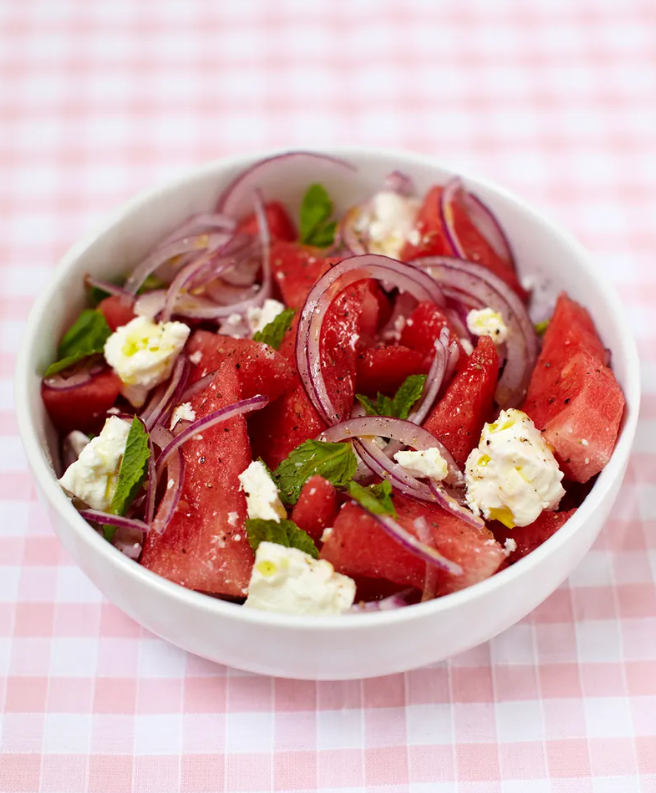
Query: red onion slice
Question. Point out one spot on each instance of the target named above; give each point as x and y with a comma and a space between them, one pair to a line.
202, 223
198, 386
400, 600
398, 182
489, 227
213, 418
452, 505
460, 280
237, 199
184, 278
168, 400
175, 468
434, 379
106, 286
425, 535
79, 374
349, 234
149, 511
425, 552
357, 268
96, 516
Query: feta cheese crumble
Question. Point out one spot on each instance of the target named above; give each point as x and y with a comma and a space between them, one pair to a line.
142, 354
487, 322
254, 321
292, 582
262, 498
94, 475
512, 476
183, 412
388, 222
428, 464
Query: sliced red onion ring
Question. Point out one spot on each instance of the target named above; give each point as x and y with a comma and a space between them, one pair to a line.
129, 542
79, 374
409, 434
225, 294
179, 286
357, 268
96, 516
452, 505
150, 304
106, 286
213, 418
168, 400
202, 223
460, 280
434, 379
400, 600
489, 227
350, 235
431, 580
199, 244
425, 552
237, 199
197, 387
149, 511
175, 468
398, 182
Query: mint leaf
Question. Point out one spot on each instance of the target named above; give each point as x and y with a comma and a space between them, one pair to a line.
336, 462
316, 209
375, 498
284, 532
541, 327
409, 392
86, 337
133, 468
272, 334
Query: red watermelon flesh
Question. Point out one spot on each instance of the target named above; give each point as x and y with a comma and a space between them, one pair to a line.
316, 508
117, 310
205, 547
458, 418
296, 269
278, 221
423, 328
358, 546
431, 236
573, 398
384, 368
260, 368
85, 407
528, 538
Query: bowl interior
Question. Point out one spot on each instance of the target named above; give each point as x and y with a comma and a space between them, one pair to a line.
549, 257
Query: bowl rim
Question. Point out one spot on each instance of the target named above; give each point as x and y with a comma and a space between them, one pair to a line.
58, 501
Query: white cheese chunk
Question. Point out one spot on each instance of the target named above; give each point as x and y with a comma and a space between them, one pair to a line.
292, 582
487, 322
388, 222
183, 412
262, 497
259, 318
427, 464
142, 354
512, 476
93, 476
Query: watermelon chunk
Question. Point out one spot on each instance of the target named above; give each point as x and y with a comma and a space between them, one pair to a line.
296, 269
205, 547
358, 546
384, 368
279, 222
431, 237
83, 408
316, 508
423, 328
528, 538
117, 310
458, 418
573, 398
260, 368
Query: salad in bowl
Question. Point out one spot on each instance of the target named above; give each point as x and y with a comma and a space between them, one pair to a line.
323, 408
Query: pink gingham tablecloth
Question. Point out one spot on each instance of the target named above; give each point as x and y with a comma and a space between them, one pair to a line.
555, 99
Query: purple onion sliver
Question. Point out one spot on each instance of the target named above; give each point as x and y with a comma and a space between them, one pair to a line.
97, 516
203, 222
175, 470
431, 579
434, 379
215, 417
446, 214
399, 600
489, 227
398, 182
107, 286
152, 485
176, 385
198, 386
450, 504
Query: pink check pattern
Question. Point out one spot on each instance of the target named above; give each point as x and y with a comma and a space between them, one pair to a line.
554, 98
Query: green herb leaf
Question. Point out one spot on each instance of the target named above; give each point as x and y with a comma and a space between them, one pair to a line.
336, 462
133, 468
409, 392
272, 334
86, 337
541, 327
375, 498
151, 283
284, 532
315, 225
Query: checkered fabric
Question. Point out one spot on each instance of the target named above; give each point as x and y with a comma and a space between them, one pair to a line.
555, 99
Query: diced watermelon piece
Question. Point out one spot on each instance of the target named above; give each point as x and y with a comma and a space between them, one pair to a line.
83, 408
260, 368
423, 328
384, 368
296, 269
316, 508
117, 310
434, 242
376, 309
358, 546
458, 418
573, 398
205, 546
279, 222
528, 538
283, 425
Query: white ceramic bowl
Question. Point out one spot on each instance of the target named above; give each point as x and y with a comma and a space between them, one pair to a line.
353, 646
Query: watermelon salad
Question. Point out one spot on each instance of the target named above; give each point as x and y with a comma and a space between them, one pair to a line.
315, 411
